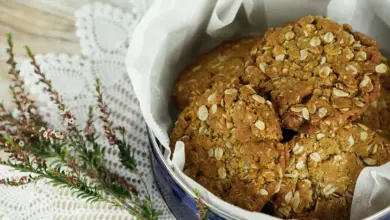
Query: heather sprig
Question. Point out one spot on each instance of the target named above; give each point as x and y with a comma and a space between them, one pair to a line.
55, 96
20, 96
16, 181
71, 158
126, 154
202, 208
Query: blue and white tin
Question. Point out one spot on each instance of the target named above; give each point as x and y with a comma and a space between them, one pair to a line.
174, 31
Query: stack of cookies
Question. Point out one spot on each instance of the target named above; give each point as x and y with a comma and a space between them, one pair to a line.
284, 124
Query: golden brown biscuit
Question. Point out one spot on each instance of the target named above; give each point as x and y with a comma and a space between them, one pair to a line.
322, 74
236, 113
230, 137
323, 171
259, 171
217, 66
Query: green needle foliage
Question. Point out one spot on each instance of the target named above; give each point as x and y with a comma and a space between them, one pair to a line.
72, 157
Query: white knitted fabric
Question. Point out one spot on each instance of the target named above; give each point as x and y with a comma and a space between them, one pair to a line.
104, 33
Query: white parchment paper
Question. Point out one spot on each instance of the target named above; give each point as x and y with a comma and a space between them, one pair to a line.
173, 32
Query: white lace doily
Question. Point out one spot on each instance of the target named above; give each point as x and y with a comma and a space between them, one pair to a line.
104, 32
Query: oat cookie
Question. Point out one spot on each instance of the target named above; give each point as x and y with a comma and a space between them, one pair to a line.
259, 168
230, 137
236, 113
320, 179
322, 75
217, 66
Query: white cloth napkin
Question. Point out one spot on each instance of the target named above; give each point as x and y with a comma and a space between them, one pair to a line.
173, 31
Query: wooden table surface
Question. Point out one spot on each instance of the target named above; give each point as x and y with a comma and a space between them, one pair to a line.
46, 26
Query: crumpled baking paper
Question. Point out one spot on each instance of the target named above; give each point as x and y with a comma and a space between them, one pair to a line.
173, 32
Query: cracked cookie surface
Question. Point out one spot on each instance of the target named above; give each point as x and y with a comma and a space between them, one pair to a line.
323, 171
217, 66
231, 144
321, 74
